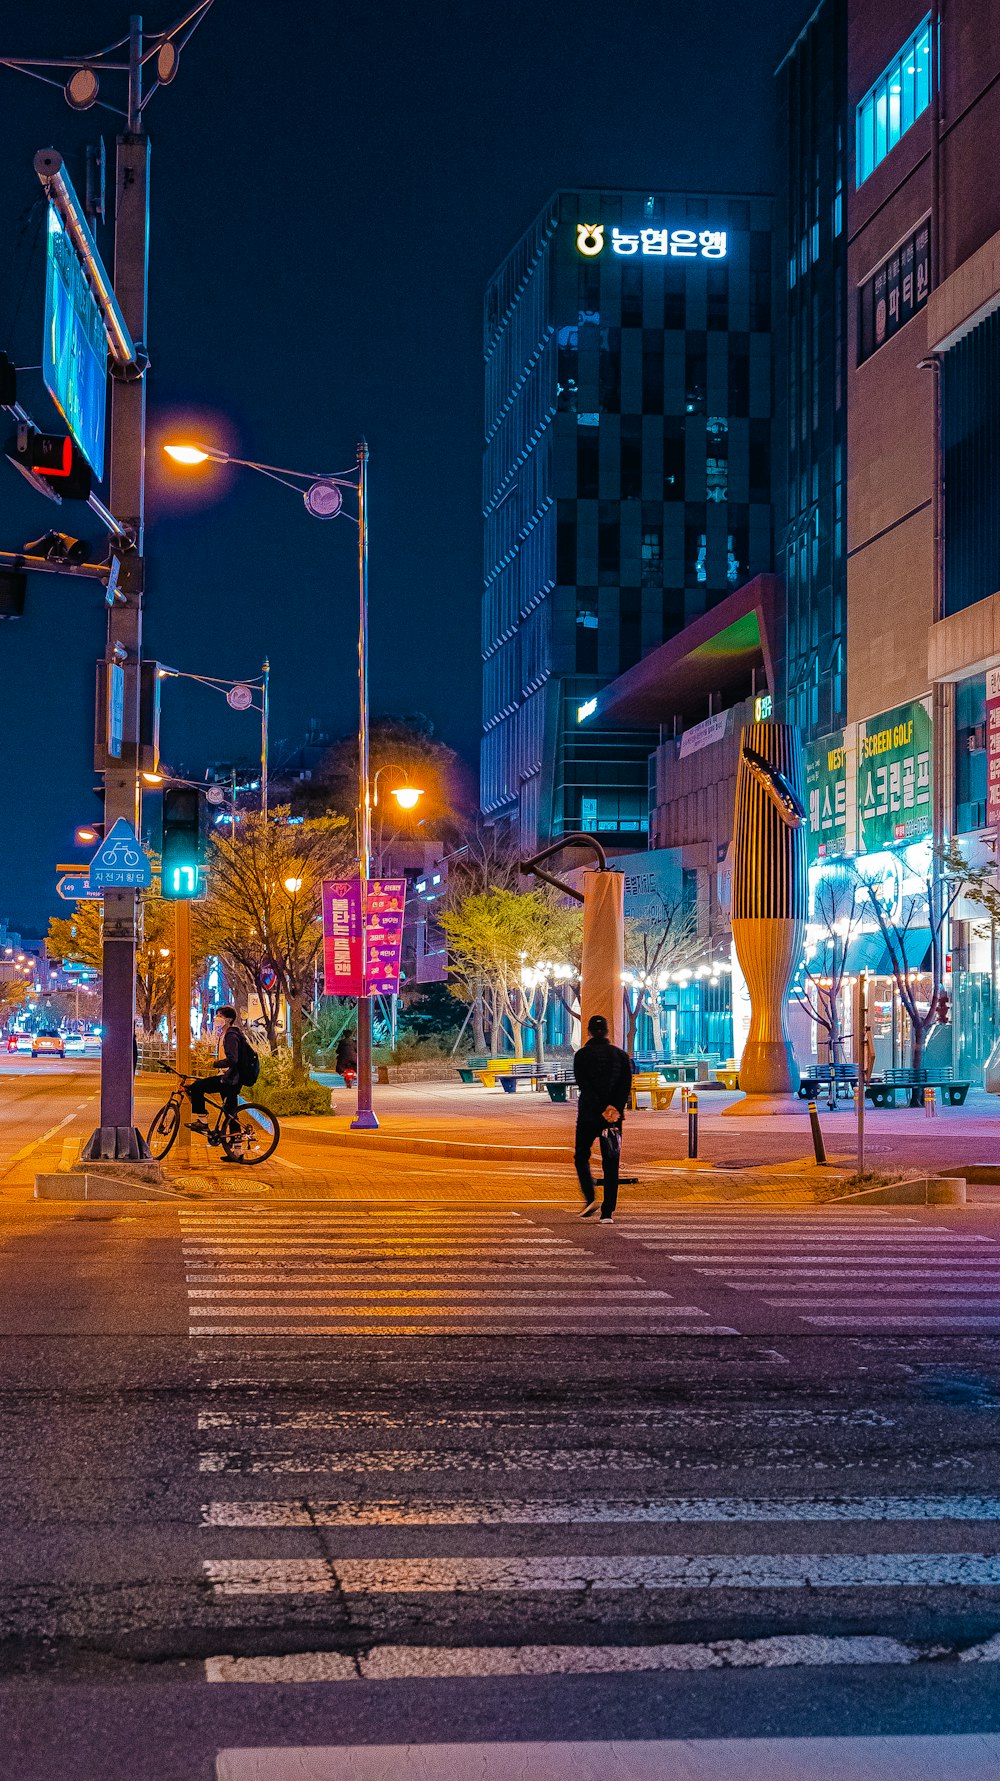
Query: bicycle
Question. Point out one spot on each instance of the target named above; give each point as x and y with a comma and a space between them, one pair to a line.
253, 1140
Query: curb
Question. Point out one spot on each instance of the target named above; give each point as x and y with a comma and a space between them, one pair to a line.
925, 1190
404, 1145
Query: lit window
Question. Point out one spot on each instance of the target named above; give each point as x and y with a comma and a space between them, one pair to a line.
895, 101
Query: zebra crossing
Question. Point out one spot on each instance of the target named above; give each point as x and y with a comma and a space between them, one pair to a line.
836, 1270
280, 1272
481, 1541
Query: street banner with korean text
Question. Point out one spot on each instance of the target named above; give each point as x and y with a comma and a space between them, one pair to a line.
993, 747
342, 947
894, 777
385, 901
827, 785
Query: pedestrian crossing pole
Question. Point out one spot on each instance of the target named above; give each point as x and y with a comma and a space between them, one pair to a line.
182, 1011
860, 1020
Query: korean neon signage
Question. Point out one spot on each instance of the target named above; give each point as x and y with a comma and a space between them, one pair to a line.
675, 244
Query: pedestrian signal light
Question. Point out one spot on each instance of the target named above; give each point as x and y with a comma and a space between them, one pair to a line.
180, 858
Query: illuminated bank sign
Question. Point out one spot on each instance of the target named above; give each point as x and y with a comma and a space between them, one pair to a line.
674, 244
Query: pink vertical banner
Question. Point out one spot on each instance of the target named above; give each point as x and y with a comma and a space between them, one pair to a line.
993, 747
385, 904
343, 973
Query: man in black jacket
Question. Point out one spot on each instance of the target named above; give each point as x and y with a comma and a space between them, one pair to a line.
227, 1082
604, 1076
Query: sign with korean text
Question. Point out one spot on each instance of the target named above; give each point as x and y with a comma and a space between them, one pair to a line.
120, 863
675, 244
342, 949
894, 777
74, 349
385, 901
993, 747
826, 775
900, 287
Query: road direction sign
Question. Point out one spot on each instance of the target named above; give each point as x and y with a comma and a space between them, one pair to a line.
77, 888
119, 863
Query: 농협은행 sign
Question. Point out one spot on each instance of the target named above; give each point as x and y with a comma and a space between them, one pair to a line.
826, 771
894, 777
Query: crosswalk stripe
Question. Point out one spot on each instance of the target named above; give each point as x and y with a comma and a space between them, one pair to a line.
478, 1326
403, 1460
355, 1576
233, 1296
384, 1663
970, 1756
904, 1320
497, 1512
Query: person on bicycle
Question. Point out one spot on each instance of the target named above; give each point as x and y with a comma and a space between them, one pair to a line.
227, 1082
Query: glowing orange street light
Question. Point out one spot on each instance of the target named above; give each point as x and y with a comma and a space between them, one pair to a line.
406, 796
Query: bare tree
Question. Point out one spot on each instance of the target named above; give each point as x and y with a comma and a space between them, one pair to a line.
900, 918
658, 944
836, 918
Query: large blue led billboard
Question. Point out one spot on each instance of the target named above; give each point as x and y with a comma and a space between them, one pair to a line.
75, 352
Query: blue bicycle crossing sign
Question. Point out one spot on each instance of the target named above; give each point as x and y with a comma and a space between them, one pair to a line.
120, 863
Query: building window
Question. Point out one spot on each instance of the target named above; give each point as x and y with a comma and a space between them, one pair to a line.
895, 101
970, 414
970, 755
652, 557
716, 458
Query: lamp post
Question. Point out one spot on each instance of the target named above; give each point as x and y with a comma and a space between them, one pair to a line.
323, 496
239, 697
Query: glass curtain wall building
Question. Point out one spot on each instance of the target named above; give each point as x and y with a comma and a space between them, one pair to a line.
627, 478
812, 96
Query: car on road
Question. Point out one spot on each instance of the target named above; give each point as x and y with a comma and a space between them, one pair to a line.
75, 1042
48, 1043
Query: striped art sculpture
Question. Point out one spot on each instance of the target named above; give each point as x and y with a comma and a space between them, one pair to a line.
769, 902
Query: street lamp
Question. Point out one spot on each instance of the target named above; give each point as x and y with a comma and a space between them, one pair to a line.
293, 886
323, 496
239, 693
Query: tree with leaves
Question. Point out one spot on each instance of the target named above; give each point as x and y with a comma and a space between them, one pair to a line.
501, 944
78, 937
13, 993
263, 912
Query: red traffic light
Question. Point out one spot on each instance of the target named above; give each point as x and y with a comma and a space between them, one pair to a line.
55, 458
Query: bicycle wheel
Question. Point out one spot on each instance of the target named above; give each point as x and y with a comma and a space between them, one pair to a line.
163, 1130
257, 1137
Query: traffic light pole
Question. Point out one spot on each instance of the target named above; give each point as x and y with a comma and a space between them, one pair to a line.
116, 1138
365, 1119
182, 1012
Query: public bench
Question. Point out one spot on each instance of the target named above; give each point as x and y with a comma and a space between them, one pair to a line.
836, 1081
651, 1083
528, 1072
728, 1078
884, 1091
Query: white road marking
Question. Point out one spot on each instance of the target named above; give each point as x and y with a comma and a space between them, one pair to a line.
481, 1324
26, 1150
386, 1663
971, 1756
234, 1298
868, 1322
481, 1417
353, 1576
428, 1459
432, 1512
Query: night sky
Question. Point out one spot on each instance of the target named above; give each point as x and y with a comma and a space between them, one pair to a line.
331, 189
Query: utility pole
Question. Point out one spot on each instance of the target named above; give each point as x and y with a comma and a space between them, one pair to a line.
116, 1138
182, 1011
365, 1119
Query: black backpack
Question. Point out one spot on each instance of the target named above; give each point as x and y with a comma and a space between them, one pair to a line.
248, 1063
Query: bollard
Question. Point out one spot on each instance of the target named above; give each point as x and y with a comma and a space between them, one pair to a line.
818, 1145
685, 1091
692, 1123
930, 1104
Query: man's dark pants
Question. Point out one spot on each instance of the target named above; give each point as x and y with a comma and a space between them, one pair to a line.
586, 1131
214, 1085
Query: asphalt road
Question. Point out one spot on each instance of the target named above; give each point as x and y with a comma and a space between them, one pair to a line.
283, 1475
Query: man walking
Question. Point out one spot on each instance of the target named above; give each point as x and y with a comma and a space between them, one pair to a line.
604, 1076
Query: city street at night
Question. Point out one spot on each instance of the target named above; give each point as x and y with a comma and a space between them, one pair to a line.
500, 892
